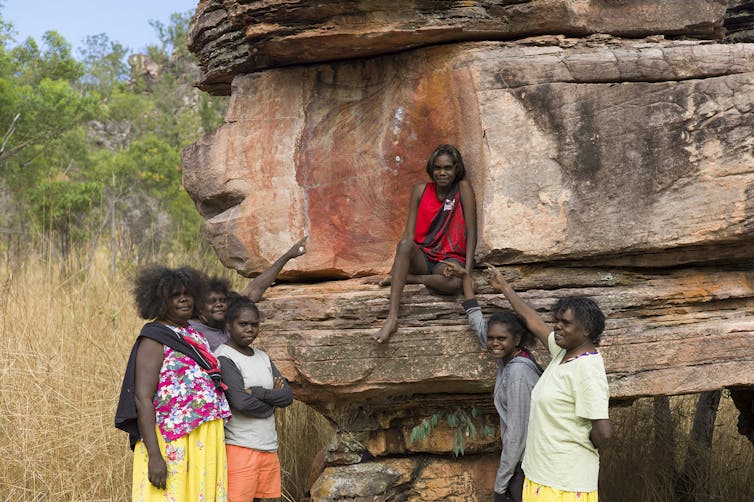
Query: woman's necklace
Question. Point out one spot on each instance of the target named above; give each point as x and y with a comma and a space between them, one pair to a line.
580, 355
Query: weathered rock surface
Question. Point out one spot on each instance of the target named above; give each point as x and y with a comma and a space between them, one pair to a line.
670, 332
619, 168
630, 152
410, 479
232, 37
739, 21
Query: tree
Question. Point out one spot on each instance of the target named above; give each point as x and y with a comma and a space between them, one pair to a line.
83, 143
104, 64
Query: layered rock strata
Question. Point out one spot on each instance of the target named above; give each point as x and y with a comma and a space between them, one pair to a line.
233, 37
608, 160
739, 21
668, 332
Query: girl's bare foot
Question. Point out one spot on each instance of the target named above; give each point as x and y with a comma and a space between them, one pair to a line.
378, 280
390, 327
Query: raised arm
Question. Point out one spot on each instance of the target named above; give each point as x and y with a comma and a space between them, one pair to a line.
149, 357
474, 314
468, 202
533, 321
257, 286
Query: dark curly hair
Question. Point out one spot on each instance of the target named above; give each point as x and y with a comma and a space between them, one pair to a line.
236, 304
451, 152
515, 325
219, 285
586, 311
154, 286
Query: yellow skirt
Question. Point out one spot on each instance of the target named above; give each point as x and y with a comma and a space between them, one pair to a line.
197, 468
534, 492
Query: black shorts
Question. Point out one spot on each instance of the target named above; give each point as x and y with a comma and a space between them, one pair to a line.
431, 264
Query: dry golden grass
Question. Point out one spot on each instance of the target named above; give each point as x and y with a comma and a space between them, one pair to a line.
628, 471
65, 341
65, 344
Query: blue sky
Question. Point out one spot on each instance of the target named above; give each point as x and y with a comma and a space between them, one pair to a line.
124, 21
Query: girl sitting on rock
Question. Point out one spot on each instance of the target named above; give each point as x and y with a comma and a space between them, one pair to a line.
507, 339
441, 225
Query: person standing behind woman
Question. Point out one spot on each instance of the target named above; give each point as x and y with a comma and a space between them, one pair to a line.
568, 422
211, 318
441, 225
506, 337
255, 389
172, 403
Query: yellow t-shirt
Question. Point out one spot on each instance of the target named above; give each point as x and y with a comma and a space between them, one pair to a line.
563, 403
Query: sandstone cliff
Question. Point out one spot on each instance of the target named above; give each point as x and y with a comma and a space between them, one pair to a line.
610, 145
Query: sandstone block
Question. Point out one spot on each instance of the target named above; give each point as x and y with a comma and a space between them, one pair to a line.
606, 150
410, 479
231, 37
667, 332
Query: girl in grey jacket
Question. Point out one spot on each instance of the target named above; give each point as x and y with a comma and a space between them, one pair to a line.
507, 338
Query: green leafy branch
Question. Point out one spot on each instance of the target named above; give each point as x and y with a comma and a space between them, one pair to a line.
459, 420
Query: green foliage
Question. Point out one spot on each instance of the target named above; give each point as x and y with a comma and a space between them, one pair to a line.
125, 106
54, 61
173, 36
104, 64
459, 420
82, 141
63, 205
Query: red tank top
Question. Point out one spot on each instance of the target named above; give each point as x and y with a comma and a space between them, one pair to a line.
440, 226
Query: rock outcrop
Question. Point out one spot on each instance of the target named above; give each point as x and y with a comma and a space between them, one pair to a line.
577, 149
668, 332
608, 158
231, 37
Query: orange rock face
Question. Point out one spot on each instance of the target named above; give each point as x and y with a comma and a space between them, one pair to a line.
332, 153
606, 149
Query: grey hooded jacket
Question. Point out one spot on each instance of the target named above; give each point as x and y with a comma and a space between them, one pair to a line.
513, 385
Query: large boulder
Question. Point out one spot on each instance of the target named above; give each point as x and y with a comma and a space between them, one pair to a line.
630, 152
607, 161
231, 37
676, 331
668, 332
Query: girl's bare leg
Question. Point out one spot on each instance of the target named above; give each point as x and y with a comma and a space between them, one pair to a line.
439, 282
408, 258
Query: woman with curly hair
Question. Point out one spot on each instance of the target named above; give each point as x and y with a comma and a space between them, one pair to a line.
172, 402
568, 421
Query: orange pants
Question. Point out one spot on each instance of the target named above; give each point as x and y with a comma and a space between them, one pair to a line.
252, 474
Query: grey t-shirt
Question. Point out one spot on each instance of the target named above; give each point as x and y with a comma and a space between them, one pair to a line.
253, 422
514, 383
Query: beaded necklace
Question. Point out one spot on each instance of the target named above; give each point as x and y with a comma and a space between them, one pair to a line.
580, 355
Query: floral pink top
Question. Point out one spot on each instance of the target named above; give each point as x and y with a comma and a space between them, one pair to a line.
186, 396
